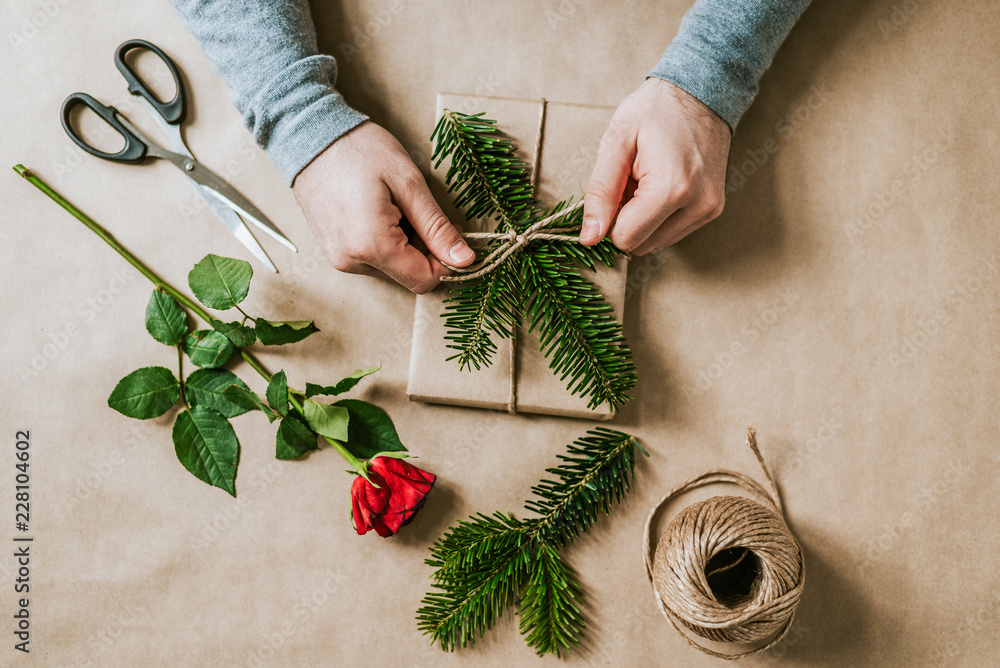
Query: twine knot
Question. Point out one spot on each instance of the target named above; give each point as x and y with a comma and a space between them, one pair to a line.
511, 241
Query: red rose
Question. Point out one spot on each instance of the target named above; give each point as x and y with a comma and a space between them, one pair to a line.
401, 491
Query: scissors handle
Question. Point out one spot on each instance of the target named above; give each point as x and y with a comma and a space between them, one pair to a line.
172, 111
135, 148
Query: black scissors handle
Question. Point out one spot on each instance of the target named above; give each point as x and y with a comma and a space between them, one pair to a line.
135, 148
172, 111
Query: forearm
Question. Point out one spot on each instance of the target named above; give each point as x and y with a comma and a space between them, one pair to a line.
723, 48
266, 53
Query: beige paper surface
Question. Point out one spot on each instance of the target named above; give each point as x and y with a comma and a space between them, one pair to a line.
845, 304
570, 137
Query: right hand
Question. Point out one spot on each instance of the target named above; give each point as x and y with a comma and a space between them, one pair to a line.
355, 194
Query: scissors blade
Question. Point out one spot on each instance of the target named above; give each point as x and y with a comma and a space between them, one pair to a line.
233, 199
235, 225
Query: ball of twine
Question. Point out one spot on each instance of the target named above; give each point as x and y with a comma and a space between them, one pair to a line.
727, 568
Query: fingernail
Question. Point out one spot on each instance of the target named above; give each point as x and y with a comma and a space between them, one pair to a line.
591, 231
460, 252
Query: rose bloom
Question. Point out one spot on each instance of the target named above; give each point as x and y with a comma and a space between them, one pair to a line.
402, 489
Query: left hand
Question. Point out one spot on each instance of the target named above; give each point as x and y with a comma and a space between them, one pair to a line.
660, 171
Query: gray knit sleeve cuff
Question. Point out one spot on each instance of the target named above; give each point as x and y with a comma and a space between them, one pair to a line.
722, 49
299, 113
706, 80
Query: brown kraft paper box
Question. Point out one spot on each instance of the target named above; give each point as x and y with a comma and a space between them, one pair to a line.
570, 136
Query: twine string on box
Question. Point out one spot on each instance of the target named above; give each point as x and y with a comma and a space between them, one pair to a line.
715, 538
512, 242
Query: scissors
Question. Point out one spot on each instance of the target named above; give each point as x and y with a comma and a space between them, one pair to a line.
224, 200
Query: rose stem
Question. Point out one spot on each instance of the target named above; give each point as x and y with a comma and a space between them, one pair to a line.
161, 284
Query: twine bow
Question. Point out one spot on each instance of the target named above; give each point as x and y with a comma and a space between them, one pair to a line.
512, 241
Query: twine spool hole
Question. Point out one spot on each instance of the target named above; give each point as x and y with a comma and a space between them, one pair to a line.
732, 575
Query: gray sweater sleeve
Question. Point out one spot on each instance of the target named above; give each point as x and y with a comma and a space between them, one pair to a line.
723, 48
265, 51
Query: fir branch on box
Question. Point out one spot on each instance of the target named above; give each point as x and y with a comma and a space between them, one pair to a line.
541, 283
488, 562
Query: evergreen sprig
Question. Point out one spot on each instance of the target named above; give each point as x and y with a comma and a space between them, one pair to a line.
486, 563
541, 282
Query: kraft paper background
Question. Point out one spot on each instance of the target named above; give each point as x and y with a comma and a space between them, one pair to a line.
845, 304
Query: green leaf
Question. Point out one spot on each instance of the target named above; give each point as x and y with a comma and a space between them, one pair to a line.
344, 385
208, 349
206, 445
238, 334
370, 430
329, 421
146, 393
277, 393
166, 321
273, 333
204, 388
220, 282
294, 438
246, 398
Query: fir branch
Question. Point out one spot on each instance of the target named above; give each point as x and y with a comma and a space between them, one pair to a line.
482, 564
551, 620
578, 329
485, 563
604, 252
478, 308
596, 471
490, 179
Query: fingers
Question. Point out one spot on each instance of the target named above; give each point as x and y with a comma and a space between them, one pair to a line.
681, 223
441, 237
642, 215
615, 157
400, 261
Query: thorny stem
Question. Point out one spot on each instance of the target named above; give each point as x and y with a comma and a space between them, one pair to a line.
180, 373
355, 463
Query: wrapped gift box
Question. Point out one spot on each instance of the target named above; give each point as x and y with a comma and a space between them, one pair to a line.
570, 136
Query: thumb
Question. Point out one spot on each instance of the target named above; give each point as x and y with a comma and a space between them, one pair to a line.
441, 237
607, 185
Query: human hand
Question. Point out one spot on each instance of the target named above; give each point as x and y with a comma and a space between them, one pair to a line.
663, 162
356, 193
